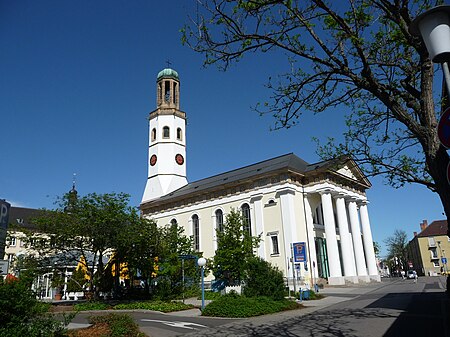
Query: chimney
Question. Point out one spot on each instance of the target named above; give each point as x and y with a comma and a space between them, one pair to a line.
423, 225
415, 234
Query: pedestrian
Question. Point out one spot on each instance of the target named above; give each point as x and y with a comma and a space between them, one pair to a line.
403, 274
415, 276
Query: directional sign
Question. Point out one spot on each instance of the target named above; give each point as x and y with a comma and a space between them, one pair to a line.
187, 257
444, 260
444, 128
3, 267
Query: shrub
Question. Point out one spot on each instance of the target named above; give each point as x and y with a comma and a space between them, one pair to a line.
155, 306
233, 305
91, 306
21, 314
120, 325
263, 279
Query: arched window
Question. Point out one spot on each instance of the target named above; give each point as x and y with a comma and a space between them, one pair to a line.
173, 223
153, 134
196, 232
219, 220
166, 132
318, 215
245, 209
179, 134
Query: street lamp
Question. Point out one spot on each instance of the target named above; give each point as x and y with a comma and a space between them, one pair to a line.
201, 263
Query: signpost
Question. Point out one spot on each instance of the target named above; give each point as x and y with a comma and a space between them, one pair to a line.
185, 257
4, 219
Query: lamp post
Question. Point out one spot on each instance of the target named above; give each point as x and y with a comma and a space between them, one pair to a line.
434, 27
201, 263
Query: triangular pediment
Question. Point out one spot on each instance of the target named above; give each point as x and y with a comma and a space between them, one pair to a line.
347, 172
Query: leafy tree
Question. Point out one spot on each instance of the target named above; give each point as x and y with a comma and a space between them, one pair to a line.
263, 279
397, 249
376, 248
169, 273
235, 247
356, 54
85, 230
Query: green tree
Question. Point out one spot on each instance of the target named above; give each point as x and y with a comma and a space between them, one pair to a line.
85, 230
235, 247
263, 279
376, 248
397, 249
355, 54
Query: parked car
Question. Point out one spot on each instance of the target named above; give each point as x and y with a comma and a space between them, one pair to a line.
411, 274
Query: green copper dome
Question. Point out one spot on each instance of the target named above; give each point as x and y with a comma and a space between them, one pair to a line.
168, 72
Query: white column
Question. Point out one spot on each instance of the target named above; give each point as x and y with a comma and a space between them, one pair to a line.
288, 218
334, 264
348, 257
259, 222
311, 242
368, 241
357, 242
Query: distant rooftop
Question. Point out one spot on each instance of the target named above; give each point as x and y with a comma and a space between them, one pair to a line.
436, 228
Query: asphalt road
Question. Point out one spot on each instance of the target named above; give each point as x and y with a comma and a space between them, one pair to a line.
395, 307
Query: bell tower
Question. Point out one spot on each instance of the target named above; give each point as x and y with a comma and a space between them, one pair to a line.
167, 139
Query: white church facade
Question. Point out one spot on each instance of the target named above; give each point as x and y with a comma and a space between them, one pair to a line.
321, 207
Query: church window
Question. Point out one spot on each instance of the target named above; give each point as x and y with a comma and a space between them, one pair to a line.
179, 134
275, 249
173, 223
12, 241
196, 232
153, 134
219, 220
318, 215
166, 132
246, 215
175, 98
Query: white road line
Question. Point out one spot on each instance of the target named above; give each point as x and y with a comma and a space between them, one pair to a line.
177, 324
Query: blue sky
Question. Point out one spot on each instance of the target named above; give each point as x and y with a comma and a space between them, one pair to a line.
77, 81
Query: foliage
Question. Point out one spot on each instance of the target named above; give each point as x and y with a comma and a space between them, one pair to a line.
397, 249
22, 314
235, 247
169, 274
86, 230
233, 305
120, 325
357, 55
77, 280
376, 248
263, 279
155, 306
94, 305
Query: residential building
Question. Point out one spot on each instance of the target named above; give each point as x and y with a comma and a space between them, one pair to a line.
427, 250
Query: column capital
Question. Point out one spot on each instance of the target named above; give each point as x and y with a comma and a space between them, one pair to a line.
363, 202
285, 190
324, 190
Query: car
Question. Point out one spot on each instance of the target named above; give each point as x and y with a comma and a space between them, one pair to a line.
411, 274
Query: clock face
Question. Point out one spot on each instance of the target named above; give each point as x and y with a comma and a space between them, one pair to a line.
153, 160
179, 159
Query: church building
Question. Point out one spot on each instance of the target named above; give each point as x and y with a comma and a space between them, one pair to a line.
313, 218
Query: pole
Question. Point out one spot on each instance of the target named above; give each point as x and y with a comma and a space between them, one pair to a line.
446, 72
182, 273
203, 288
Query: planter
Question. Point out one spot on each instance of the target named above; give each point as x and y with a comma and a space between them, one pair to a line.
58, 297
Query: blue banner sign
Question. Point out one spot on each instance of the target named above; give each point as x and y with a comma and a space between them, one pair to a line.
4, 214
299, 249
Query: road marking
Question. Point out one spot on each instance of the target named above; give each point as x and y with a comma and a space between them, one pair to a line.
176, 324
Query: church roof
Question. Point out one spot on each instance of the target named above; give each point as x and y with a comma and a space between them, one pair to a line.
287, 162
20, 217
167, 72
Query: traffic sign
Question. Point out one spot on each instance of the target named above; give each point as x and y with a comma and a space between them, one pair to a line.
444, 260
444, 128
4, 267
187, 257
299, 249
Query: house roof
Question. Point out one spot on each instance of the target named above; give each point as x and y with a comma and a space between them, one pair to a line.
21, 217
436, 228
289, 162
